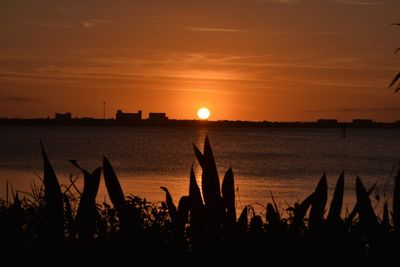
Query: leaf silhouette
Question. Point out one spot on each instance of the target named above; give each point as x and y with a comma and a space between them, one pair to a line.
196, 214
194, 192
272, 216
318, 203
115, 192
183, 210
385, 217
367, 215
199, 156
337, 202
228, 194
355, 210
214, 206
396, 202
394, 80
210, 181
243, 220
53, 202
173, 212
87, 211
301, 210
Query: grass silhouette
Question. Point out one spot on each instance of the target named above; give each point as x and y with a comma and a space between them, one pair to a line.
52, 224
397, 76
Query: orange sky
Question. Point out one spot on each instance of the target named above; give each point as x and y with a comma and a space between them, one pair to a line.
284, 60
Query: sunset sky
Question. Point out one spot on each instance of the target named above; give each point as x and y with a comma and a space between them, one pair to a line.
278, 60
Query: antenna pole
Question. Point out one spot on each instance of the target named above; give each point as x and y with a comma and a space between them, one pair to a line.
104, 110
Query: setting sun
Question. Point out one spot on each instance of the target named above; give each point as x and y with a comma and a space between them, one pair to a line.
203, 113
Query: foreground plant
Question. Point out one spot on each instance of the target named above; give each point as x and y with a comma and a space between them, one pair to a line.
204, 222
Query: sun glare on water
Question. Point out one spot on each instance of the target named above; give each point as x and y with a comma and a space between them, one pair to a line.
203, 113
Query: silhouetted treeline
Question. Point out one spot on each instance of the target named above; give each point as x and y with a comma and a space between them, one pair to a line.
363, 124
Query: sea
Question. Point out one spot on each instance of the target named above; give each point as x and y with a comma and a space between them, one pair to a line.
269, 164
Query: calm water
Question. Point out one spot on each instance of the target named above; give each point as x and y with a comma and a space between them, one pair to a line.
287, 162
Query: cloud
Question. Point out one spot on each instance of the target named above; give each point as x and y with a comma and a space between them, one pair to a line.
205, 29
359, 2
19, 99
48, 25
232, 30
91, 23
200, 71
47, 68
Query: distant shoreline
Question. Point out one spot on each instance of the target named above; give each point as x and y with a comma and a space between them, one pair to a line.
90, 122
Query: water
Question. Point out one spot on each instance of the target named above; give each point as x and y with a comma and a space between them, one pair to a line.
286, 162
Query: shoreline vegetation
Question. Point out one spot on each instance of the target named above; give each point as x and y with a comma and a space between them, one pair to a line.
64, 225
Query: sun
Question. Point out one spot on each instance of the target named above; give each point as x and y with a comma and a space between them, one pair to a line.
203, 113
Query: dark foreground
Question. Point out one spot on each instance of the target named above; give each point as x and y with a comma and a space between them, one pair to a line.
58, 225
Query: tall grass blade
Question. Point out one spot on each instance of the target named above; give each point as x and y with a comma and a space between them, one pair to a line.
210, 181
396, 203
17, 201
397, 89
115, 192
256, 225
300, 211
197, 223
228, 195
194, 192
214, 206
54, 210
272, 215
274, 202
87, 211
337, 201
7, 197
199, 156
385, 217
394, 80
243, 220
318, 204
184, 209
353, 213
69, 219
183, 215
368, 219
172, 210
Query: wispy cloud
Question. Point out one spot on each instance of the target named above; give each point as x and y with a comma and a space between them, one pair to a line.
48, 25
283, 32
148, 69
359, 2
91, 23
48, 68
205, 29
19, 99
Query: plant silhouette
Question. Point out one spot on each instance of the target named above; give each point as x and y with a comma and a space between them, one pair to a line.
51, 223
397, 77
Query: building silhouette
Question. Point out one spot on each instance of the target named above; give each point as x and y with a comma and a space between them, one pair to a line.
63, 116
122, 116
327, 122
363, 122
158, 117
